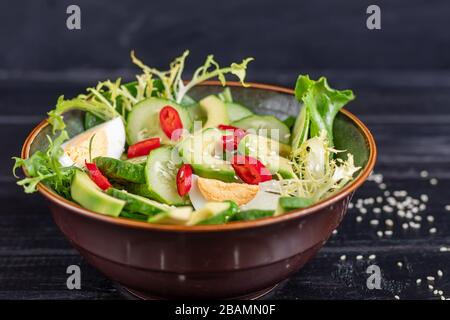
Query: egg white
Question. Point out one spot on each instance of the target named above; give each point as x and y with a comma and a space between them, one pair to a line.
113, 146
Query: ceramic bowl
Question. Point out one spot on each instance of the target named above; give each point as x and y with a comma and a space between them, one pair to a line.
235, 260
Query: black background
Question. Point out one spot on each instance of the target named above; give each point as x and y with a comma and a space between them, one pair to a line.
400, 74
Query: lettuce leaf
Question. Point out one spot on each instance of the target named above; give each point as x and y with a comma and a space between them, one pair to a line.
321, 103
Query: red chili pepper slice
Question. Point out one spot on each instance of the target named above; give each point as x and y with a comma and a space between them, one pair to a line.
238, 132
97, 176
184, 179
230, 143
170, 122
143, 148
250, 170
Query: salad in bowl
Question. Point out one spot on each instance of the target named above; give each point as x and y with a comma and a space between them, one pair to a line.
149, 151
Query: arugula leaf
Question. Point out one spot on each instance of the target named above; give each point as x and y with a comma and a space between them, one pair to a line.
321, 104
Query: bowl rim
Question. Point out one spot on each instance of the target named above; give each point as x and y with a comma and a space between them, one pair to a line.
346, 191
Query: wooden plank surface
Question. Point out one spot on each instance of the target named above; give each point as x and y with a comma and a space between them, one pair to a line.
411, 126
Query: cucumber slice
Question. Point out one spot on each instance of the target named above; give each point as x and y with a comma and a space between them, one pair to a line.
137, 160
138, 204
133, 216
85, 192
203, 151
120, 171
236, 111
286, 204
269, 123
254, 214
160, 175
143, 120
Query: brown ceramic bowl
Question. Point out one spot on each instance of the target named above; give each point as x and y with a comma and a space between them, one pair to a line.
235, 260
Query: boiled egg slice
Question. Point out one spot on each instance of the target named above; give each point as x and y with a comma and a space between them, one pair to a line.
109, 141
266, 198
211, 190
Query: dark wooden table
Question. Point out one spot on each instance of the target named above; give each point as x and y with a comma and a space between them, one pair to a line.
409, 115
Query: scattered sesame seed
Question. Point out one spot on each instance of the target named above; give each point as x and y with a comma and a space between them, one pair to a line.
399, 264
379, 199
376, 210
443, 249
440, 292
335, 231
424, 197
363, 210
397, 297
388, 233
418, 218
442, 298
433, 181
435, 292
350, 205
424, 173
374, 222
372, 257
405, 226
432, 230
382, 186
359, 219
380, 233
359, 257
440, 273
343, 257
430, 218
447, 207
418, 281
386, 193
430, 278
430, 287
389, 222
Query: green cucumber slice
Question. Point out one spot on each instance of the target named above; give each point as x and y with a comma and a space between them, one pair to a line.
253, 214
269, 123
286, 204
143, 120
177, 216
133, 216
160, 174
138, 204
85, 192
236, 111
120, 171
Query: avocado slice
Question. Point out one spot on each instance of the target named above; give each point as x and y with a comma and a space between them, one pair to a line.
201, 152
177, 216
214, 213
267, 151
216, 111
286, 204
85, 192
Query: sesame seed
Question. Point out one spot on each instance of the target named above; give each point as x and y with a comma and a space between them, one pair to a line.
405, 226
397, 297
359, 257
443, 249
442, 298
440, 273
388, 233
350, 205
440, 292
435, 292
432, 230
430, 287
335, 232
359, 219
430, 278
386, 193
418, 218
376, 210
424, 197
447, 207
379, 199
418, 281
380, 233
343, 257
363, 210
389, 222
399, 264
433, 181
382, 186
424, 173
430, 218
372, 257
